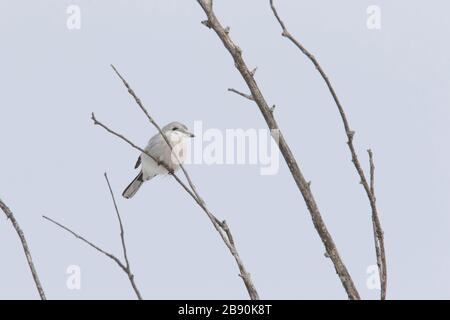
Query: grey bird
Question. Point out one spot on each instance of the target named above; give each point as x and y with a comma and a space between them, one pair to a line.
177, 134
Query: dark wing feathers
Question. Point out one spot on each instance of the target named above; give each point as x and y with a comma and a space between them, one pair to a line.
138, 163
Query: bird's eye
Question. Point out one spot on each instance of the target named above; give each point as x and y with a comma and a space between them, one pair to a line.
174, 129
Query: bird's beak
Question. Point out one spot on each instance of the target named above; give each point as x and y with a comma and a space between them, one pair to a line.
189, 134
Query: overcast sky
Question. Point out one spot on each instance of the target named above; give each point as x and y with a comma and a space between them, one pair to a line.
393, 83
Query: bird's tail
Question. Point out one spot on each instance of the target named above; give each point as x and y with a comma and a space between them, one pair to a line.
133, 187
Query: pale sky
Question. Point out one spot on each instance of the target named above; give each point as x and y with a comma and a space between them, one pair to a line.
393, 83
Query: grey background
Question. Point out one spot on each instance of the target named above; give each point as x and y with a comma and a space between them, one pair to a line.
393, 84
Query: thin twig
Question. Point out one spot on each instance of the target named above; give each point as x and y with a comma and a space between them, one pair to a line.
124, 266
122, 237
76, 235
25, 247
378, 232
248, 96
220, 227
236, 53
350, 135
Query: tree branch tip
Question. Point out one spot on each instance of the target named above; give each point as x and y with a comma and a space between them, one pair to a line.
253, 71
118, 74
248, 96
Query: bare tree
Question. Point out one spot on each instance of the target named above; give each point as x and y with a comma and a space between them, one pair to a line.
125, 266
221, 226
378, 232
303, 185
10, 217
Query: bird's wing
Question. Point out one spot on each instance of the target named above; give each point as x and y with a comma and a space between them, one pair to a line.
138, 163
150, 146
153, 148
154, 144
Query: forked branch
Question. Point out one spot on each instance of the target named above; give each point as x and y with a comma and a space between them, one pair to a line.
379, 238
220, 226
125, 266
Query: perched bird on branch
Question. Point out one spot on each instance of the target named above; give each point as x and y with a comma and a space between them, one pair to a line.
166, 156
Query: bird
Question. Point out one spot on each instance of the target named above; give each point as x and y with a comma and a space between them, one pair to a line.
171, 157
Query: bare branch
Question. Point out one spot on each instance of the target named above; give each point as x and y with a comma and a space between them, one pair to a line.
76, 235
378, 232
300, 180
25, 247
248, 96
122, 237
124, 266
222, 229
350, 135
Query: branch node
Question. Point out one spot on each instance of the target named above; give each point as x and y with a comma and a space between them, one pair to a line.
93, 118
207, 24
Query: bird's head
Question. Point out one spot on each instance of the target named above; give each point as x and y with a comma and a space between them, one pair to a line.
177, 128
